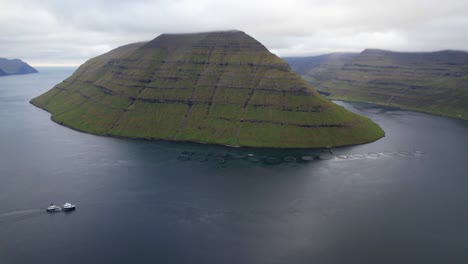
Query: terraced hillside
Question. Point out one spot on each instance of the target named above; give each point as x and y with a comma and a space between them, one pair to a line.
15, 66
432, 82
216, 87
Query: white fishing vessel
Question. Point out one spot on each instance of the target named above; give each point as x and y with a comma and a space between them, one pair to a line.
68, 207
53, 208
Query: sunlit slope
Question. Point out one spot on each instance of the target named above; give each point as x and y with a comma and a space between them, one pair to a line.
433, 82
217, 87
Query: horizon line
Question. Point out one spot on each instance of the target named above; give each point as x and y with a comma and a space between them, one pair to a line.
54, 65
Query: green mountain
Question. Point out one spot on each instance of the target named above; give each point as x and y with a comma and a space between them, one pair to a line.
15, 66
432, 82
216, 87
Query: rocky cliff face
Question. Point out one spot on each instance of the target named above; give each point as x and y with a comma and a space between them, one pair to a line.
434, 82
216, 87
15, 66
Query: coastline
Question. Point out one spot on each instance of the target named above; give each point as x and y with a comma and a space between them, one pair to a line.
400, 107
198, 142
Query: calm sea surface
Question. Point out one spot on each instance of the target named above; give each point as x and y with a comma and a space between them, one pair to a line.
402, 199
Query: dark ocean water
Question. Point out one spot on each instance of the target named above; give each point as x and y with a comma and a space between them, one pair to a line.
402, 199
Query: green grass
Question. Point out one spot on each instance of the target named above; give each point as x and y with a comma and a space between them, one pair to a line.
432, 82
221, 88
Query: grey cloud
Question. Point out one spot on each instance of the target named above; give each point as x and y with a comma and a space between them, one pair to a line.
58, 31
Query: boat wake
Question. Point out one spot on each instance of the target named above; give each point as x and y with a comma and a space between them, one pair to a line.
19, 215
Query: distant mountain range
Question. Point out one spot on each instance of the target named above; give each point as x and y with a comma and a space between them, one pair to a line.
15, 66
432, 82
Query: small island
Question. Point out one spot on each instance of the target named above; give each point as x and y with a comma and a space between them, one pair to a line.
214, 87
15, 67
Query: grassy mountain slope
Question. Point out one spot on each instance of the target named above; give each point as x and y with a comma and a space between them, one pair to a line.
216, 87
432, 82
15, 66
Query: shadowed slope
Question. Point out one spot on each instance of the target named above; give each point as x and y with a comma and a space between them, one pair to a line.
216, 87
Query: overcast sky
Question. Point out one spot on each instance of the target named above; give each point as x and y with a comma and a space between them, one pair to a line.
48, 32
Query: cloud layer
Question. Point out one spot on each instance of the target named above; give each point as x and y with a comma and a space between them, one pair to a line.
70, 32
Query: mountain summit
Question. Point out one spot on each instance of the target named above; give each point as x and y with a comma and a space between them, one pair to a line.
214, 87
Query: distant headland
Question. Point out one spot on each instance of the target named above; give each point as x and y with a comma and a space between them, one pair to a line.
15, 67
